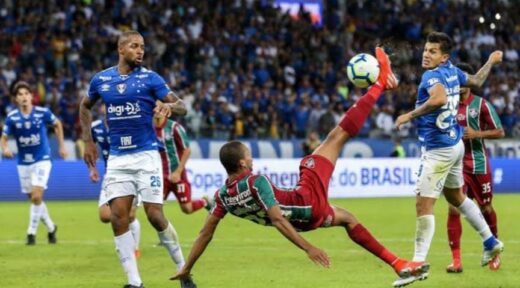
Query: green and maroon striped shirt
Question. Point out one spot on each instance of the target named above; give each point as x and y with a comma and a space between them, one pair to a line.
175, 141
480, 115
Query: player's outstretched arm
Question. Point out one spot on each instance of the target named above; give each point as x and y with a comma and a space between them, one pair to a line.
58, 130
478, 79
6, 152
205, 236
85, 118
317, 255
173, 104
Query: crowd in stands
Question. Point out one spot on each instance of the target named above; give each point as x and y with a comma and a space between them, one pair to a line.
246, 69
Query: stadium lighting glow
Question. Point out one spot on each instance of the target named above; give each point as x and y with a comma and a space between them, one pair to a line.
492, 26
497, 16
481, 19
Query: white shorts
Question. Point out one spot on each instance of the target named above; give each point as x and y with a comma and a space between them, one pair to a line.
36, 174
134, 174
103, 201
440, 168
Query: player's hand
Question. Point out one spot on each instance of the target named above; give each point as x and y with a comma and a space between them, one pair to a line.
469, 133
319, 257
496, 57
402, 119
90, 156
94, 175
63, 152
175, 177
162, 109
7, 153
181, 275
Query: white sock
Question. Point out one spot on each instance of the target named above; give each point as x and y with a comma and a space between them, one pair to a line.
425, 228
34, 218
135, 228
471, 212
125, 249
46, 218
170, 241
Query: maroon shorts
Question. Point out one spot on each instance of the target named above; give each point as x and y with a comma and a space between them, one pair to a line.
181, 189
313, 186
479, 187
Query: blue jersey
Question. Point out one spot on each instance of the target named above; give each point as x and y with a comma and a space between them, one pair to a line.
30, 132
129, 100
100, 136
439, 128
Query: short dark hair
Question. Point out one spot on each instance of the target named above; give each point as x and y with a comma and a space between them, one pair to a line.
466, 67
123, 38
445, 41
230, 155
19, 85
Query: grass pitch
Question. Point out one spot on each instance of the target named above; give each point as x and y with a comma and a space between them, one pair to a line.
246, 255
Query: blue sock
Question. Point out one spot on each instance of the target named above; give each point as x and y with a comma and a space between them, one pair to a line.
490, 243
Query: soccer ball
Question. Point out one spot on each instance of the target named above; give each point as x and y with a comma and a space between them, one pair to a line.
363, 70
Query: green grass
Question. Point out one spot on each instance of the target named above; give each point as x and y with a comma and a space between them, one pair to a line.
245, 255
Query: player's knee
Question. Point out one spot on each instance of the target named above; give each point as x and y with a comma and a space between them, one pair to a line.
186, 209
486, 208
104, 218
36, 199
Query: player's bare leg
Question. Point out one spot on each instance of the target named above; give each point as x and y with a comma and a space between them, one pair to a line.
104, 213
193, 206
361, 236
454, 227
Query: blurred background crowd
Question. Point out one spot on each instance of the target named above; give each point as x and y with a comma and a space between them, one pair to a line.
246, 69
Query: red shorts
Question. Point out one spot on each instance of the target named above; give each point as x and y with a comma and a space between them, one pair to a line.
313, 186
181, 189
479, 187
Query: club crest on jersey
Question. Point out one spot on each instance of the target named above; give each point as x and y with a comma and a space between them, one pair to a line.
473, 112
309, 163
461, 117
18, 125
27, 125
121, 88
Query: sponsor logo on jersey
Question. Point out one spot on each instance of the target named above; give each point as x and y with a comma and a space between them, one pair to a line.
433, 81
105, 87
121, 88
473, 113
452, 78
105, 78
128, 109
141, 76
31, 140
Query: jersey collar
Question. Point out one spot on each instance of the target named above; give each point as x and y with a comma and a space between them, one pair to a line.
469, 99
230, 183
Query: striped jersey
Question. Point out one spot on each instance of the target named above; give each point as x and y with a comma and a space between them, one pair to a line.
478, 114
250, 196
30, 133
173, 139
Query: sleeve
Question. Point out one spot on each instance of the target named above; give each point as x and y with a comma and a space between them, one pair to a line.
263, 190
430, 79
94, 134
49, 118
489, 116
8, 127
93, 93
159, 87
218, 209
463, 77
181, 137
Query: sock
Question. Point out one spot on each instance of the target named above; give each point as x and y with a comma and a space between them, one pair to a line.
34, 218
170, 241
198, 204
491, 220
363, 238
135, 228
454, 234
355, 117
424, 230
125, 249
472, 213
46, 218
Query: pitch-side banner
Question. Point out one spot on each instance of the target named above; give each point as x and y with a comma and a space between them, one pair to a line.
351, 177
